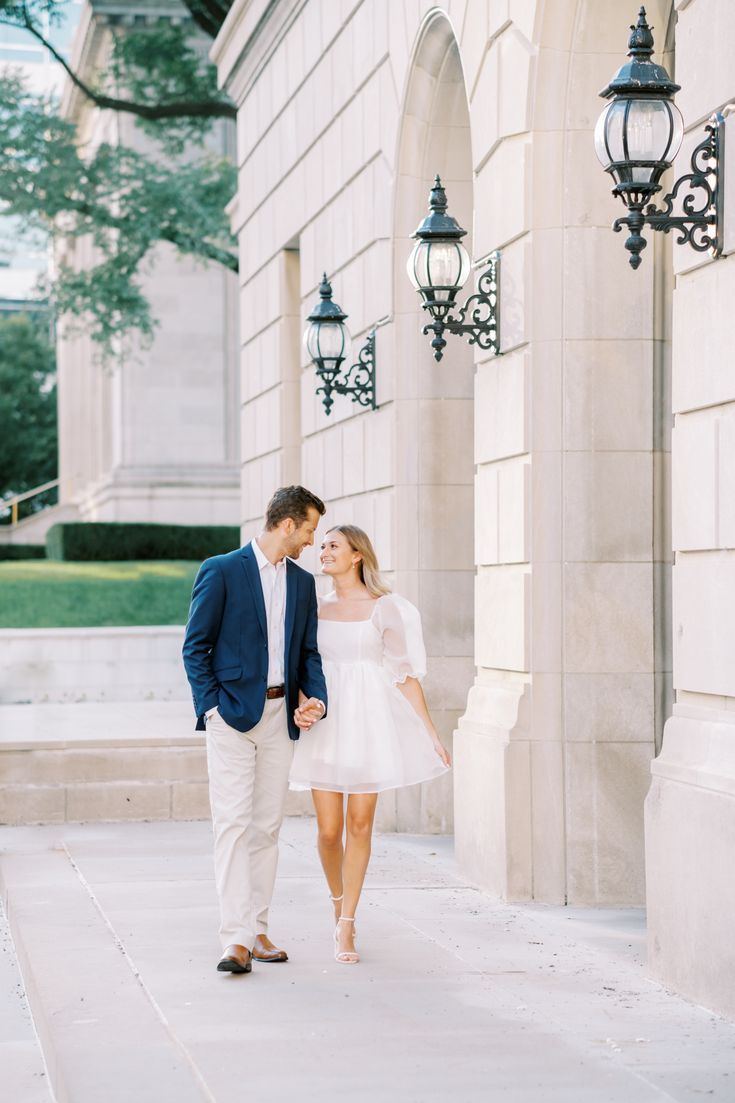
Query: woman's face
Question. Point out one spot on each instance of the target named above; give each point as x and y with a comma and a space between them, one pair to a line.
336, 555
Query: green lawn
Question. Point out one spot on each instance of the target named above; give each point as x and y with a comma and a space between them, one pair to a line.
40, 593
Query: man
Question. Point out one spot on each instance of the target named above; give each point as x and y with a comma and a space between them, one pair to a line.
251, 657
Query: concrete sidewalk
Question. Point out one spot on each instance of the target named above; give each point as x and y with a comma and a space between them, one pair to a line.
457, 997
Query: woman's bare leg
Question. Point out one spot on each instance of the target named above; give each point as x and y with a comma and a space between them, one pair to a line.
330, 824
360, 817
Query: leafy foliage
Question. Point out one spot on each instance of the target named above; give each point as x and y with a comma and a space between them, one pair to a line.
115, 203
27, 406
164, 68
14, 12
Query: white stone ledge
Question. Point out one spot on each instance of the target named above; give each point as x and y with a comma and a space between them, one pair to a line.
698, 752
100, 633
88, 741
89, 725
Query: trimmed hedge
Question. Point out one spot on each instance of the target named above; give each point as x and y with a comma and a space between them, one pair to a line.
87, 541
22, 551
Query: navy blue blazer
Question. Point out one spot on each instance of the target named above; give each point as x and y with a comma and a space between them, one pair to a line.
226, 644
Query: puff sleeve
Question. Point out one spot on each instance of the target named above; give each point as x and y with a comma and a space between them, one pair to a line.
399, 622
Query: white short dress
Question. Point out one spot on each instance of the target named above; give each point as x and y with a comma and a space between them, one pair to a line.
371, 738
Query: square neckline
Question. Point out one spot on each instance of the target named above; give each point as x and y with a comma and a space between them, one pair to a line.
361, 620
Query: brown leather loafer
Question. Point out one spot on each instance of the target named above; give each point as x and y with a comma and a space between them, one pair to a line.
264, 950
236, 959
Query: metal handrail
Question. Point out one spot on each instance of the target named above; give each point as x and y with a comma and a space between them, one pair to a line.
15, 501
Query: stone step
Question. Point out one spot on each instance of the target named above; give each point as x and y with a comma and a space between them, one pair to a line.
93, 762
106, 802
102, 1035
33, 529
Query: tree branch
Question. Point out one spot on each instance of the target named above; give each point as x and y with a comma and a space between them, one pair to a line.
203, 248
167, 232
209, 14
196, 109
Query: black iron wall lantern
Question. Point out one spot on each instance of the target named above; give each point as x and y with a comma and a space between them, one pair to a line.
326, 341
438, 268
637, 138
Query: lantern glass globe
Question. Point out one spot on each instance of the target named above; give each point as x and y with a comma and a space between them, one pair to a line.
438, 268
638, 137
326, 343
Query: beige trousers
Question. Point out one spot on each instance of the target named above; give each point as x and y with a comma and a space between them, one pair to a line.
248, 783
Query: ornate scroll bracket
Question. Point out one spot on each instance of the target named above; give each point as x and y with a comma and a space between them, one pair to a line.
483, 311
358, 381
701, 224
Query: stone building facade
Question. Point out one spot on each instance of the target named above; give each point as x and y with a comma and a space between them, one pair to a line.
522, 501
154, 437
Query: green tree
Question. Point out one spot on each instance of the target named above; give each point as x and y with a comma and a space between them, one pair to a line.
28, 440
123, 200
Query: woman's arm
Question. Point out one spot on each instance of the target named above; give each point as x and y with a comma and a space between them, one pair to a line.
414, 694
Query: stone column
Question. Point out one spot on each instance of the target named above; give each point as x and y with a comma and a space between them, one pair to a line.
690, 809
553, 752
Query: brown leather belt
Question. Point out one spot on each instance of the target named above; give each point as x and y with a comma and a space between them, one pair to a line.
273, 692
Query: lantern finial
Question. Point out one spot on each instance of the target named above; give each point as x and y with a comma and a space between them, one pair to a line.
325, 287
438, 197
640, 43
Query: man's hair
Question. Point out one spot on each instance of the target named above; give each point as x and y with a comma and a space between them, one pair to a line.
294, 502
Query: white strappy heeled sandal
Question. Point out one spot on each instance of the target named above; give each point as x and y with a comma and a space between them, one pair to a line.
344, 957
336, 900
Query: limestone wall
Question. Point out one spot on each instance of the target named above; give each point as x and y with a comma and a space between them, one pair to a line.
65, 665
555, 654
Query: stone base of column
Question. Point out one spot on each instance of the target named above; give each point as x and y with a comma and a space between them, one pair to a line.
690, 843
492, 791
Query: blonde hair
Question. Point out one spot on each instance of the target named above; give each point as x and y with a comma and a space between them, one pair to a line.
369, 570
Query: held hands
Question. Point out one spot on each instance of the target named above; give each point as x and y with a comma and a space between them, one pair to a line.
309, 711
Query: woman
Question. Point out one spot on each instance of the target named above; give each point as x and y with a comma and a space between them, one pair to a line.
378, 733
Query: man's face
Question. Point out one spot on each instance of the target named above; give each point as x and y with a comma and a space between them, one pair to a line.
303, 536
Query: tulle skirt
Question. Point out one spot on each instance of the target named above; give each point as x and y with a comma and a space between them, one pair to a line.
371, 738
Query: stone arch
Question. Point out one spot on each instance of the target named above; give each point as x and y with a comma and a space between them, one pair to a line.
434, 402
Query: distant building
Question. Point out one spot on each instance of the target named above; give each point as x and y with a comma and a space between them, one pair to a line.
22, 306
157, 437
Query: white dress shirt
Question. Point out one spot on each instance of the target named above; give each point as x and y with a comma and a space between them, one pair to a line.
273, 581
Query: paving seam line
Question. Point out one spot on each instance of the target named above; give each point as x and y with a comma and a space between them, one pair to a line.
5, 914
210, 1098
